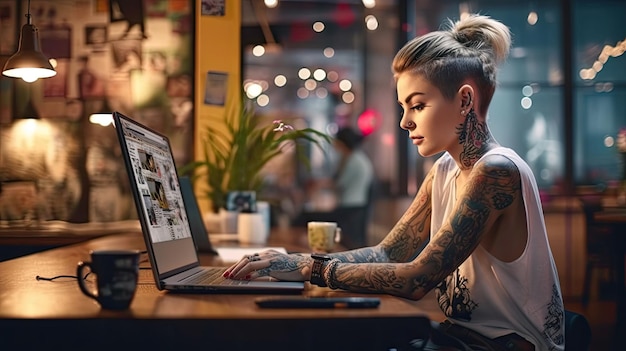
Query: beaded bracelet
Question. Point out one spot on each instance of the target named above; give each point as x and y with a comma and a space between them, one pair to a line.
329, 272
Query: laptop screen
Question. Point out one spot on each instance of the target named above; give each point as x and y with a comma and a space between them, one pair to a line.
156, 191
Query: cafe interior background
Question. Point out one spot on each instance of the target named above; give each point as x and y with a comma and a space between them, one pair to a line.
559, 103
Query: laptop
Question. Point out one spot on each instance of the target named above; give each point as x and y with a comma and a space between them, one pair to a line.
164, 219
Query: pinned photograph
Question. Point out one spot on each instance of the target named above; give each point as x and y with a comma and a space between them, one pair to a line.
215, 89
213, 8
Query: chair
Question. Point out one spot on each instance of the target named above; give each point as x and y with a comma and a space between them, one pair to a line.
353, 220
577, 332
598, 244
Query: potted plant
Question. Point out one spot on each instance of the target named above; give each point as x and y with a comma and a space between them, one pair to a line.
236, 152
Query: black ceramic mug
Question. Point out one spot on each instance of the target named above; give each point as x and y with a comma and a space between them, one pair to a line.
116, 274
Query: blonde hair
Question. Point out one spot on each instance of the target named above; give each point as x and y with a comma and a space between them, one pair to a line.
472, 48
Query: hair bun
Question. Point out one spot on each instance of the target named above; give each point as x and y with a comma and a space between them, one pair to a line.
484, 34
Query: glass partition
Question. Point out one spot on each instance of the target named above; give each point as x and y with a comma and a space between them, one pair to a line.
562, 85
599, 71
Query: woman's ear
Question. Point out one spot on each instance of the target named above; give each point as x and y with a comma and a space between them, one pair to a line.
466, 92
466, 98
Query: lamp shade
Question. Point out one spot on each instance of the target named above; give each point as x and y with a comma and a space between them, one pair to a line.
29, 63
104, 116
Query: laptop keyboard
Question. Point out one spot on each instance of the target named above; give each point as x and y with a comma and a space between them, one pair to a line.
213, 276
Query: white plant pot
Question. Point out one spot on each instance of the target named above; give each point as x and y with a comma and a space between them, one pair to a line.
251, 228
228, 221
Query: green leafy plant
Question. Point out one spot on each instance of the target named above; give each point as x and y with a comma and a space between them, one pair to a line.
235, 153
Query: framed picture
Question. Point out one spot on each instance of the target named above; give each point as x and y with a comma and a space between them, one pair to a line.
90, 84
156, 8
18, 200
241, 201
213, 8
96, 35
56, 41
180, 6
8, 28
215, 88
100, 6
6, 95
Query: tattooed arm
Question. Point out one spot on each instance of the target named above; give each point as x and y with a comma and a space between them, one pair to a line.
405, 239
401, 245
492, 187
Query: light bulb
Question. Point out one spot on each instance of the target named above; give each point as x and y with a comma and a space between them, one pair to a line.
103, 119
29, 78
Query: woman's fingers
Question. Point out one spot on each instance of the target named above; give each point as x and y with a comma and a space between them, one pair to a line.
248, 266
234, 269
245, 266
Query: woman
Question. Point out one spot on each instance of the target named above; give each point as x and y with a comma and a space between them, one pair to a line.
353, 186
475, 231
355, 172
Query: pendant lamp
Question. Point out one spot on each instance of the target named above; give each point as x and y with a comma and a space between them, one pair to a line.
29, 63
104, 116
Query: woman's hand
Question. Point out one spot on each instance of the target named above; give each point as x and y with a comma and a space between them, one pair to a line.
271, 263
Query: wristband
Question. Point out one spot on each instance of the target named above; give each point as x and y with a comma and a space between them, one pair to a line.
329, 273
317, 270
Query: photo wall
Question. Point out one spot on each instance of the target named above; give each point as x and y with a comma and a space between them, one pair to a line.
131, 56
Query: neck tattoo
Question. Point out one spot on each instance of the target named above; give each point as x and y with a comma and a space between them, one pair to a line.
475, 138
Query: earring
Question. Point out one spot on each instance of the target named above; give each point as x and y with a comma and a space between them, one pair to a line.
463, 112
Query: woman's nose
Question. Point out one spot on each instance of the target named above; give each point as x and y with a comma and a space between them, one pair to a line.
406, 124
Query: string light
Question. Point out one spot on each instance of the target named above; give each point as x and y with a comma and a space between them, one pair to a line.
607, 51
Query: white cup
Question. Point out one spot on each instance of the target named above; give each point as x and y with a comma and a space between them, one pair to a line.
323, 236
251, 228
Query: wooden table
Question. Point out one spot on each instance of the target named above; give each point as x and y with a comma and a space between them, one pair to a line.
55, 314
616, 218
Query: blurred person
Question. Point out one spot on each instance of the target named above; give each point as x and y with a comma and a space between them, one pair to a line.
475, 232
355, 173
351, 190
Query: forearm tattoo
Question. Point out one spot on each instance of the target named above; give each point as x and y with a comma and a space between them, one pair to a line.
405, 238
284, 264
413, 229
493, 186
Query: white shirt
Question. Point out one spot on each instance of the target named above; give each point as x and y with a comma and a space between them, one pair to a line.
493, 297
355, 179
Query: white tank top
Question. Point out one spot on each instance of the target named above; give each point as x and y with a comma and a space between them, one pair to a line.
493, 297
